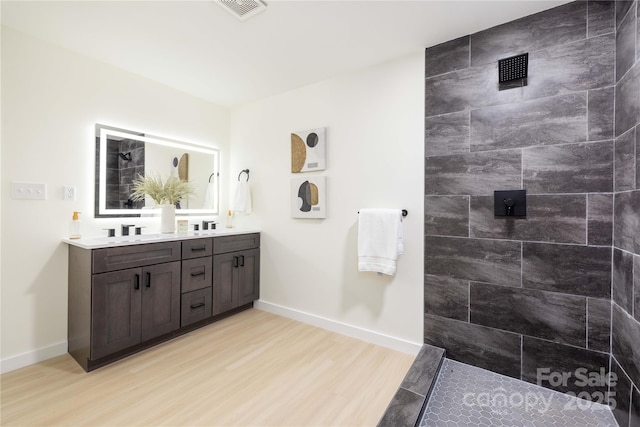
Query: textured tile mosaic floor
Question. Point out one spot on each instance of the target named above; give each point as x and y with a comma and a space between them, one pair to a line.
468, 396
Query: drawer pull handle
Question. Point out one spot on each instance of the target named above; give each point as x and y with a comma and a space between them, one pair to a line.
136, 284
198, 305
199, 248
148, 285
200, 273
241, 260
235, 262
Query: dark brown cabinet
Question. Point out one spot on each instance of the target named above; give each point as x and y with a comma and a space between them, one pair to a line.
132, 306
123, 299
197, 273
236, 274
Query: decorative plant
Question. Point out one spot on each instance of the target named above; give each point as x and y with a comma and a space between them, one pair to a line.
169, 191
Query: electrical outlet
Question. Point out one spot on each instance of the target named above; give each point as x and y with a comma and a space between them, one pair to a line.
26, 191
69, 192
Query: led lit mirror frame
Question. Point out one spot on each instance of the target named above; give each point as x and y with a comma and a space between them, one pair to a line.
203, 167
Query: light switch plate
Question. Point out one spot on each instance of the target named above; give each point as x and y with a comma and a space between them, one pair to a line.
27, 191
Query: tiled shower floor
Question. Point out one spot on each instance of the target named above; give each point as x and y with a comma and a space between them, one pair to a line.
468, 396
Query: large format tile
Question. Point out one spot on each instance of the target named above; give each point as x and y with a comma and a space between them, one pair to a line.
625, 45
563, 24
568, 68
638, 148
488, 261
447, 134
445, 57
625, 161
599, 219
541, 359
578, 270
600, 113
599, 324
473, 173
571, 168
403, 410
555, 218
424, 370
475, 345
446, 297
626, 223
548, 315
623, 279
446, 215
627, 100
545, 121
636, 287
621, 394
634, 420
622, 8
625, 342
465, 89
601, 18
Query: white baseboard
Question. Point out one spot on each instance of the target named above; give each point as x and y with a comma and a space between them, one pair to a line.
341, 328
29, 358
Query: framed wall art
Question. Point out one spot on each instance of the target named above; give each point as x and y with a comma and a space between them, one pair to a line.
309, 197
308, 150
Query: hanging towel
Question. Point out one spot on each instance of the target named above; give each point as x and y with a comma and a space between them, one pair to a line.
379, 240
242, 198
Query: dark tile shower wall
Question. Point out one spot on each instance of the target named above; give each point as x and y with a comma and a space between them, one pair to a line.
517, 295
625, 327
122, 172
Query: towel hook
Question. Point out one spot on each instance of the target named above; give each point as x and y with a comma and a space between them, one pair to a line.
244, 171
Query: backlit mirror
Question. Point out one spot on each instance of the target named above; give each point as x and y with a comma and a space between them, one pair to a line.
122, 155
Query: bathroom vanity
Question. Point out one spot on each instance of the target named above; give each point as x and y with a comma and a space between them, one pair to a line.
127, 294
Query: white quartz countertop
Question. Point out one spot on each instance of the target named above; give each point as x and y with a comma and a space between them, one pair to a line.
107, 242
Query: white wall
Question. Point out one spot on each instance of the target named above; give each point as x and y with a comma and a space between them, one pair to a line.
375, 123
51, 99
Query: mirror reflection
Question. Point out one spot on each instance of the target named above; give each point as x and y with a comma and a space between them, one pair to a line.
122, 155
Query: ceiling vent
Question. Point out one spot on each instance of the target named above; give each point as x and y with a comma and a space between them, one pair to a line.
242, 9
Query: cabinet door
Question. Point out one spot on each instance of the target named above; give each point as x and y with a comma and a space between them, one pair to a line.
160, 299
115, 301
224, 269
248, 276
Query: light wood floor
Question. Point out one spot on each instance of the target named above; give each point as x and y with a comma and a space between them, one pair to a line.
252, 369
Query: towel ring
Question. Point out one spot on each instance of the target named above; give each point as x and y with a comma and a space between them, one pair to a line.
244, 171
212, 175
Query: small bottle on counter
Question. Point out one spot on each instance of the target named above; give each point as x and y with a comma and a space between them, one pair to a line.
75, 226
229, 219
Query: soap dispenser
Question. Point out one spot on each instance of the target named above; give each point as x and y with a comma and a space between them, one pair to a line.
75, 226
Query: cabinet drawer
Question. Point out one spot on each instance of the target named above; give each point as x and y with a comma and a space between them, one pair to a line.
121, 257
196, 273
238, 242
196, 306
197, 248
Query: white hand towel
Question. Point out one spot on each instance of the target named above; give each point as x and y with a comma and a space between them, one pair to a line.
242, 198
379, 240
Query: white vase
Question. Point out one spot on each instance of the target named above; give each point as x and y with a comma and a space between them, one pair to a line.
167, 218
